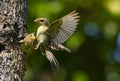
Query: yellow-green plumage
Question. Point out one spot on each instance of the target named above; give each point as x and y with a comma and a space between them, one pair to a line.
41, 33
51, 36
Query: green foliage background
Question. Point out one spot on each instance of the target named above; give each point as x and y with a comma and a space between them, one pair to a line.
95, 44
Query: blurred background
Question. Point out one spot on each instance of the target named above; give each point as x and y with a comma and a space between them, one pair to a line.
95, 45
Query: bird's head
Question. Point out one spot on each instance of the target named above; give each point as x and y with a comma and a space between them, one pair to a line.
42, 21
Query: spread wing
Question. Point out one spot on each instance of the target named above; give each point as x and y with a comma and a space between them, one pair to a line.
60, 30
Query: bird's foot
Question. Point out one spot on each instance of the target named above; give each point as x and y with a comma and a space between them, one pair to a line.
60, 46
38, 46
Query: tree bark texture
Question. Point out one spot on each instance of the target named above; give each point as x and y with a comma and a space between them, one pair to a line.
13, 24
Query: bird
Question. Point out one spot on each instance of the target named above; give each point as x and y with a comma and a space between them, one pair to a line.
52, 35
29, 39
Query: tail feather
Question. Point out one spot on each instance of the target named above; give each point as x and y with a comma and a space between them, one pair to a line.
52, 59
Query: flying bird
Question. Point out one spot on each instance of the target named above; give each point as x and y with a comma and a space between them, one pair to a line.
52, 35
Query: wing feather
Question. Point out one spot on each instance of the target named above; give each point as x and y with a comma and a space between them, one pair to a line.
66, 26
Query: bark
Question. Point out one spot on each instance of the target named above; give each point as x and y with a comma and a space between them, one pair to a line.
13, 24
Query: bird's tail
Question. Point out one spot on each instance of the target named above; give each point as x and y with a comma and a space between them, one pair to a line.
52, 59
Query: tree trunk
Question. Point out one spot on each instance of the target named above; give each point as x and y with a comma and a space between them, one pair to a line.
13, 24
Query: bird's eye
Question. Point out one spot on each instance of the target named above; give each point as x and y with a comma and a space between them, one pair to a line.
41, 20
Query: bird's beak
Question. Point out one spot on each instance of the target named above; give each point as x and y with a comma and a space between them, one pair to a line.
36, 20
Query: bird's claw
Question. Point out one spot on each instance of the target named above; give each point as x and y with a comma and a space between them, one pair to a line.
38, 46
